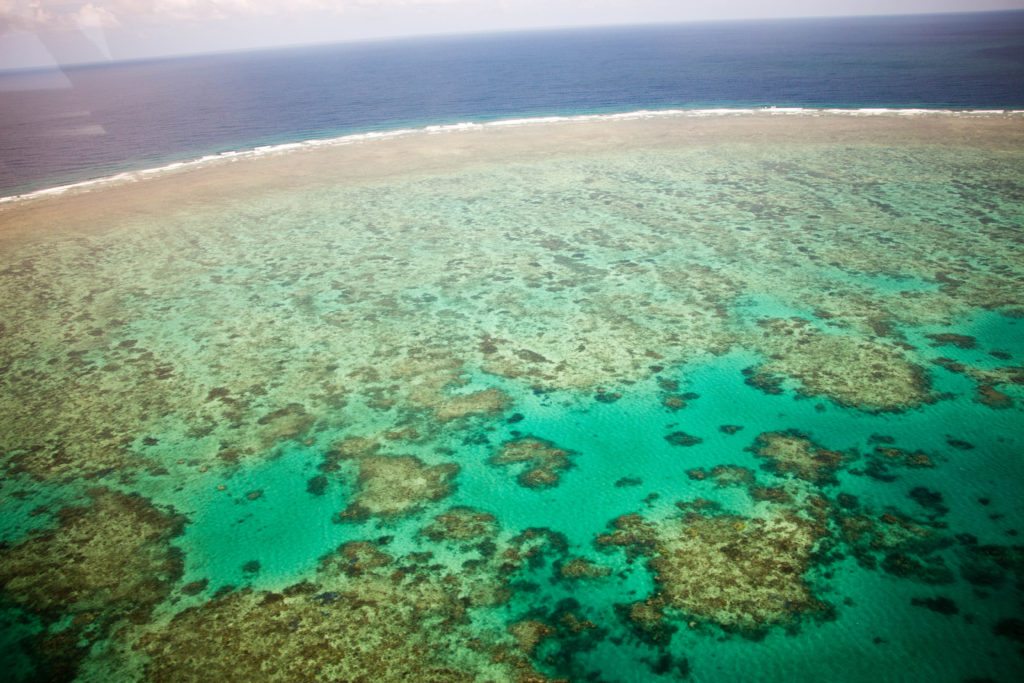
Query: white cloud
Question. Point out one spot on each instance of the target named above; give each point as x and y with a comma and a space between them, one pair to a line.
91, 16
107, 13
355, 18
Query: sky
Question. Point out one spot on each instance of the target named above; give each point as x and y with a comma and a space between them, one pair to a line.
35, 33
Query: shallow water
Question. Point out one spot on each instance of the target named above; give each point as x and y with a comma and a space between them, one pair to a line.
271, 402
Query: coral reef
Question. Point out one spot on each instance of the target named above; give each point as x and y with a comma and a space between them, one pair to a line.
897, 543
989, 566
105, 563
793, 453
396, 485
180, 349
369, 613
566, 632
1012, 628
486, 401
372, 630
529, 633
939, 605
744, 574
671, 398
987, 380
582, 568
961, 341
886, 457
461, 524
724, 475
544, 461
111, 558
850, 370
646, 619
681, 438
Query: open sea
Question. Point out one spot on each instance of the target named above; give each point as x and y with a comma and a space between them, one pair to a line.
520, 357
91, 121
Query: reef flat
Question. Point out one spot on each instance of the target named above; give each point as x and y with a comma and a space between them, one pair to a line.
603, 400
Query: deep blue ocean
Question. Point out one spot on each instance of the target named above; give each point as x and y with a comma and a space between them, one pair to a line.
106, 118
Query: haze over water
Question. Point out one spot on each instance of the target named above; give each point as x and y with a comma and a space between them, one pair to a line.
730, 396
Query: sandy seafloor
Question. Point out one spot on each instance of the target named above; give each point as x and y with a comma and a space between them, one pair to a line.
728, 397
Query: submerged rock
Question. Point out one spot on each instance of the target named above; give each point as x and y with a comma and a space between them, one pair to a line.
680, 438
941, 605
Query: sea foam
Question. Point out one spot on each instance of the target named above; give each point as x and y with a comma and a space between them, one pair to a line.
464, 126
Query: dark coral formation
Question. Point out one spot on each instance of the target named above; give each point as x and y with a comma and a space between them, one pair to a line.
671, 398
564, 631
105, 562
112, 557
461, 524
356, 558
681, 438
924, 550
647, 621
363, 633
929, 500
898, 544
886, 457
317, 485
940, 605
544, 461
992, 397
961, 341
582, 568
763, 380
371, 613
987, 380
724, 475
1012, 628
991, 566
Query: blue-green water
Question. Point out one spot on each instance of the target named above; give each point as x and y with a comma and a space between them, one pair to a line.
743, 408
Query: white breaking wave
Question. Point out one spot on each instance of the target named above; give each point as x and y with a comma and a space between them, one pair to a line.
355, 138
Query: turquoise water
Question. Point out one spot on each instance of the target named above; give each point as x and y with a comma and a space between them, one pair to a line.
632, 415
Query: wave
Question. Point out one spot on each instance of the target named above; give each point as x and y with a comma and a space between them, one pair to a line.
355, 138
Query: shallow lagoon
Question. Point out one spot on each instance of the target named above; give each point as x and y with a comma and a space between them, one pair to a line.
619, 399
